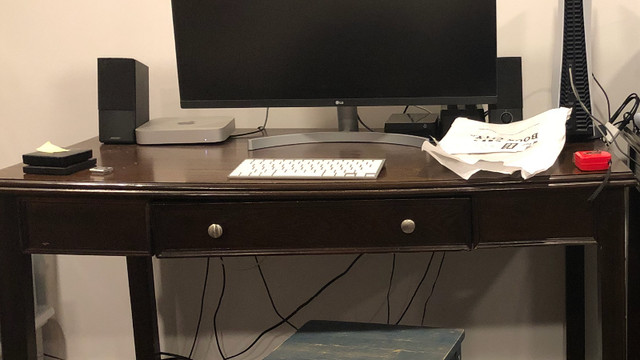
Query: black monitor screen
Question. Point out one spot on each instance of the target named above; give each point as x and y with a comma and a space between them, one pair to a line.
245, 53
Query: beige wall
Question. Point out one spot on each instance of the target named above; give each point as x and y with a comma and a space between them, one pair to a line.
509, 301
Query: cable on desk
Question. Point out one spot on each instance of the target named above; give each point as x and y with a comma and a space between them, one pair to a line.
259, 129
365, 125
300, 307
433, 287
273, 304
424, 276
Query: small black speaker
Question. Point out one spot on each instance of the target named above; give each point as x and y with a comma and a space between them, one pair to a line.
509, 86
123, 99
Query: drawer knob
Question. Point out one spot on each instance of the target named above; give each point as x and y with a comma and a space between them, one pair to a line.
407, 226
215, 231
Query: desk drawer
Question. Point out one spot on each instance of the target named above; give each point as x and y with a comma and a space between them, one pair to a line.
85, 226
338, 226
548, 216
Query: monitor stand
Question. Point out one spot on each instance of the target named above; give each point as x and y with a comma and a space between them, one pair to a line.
347, 132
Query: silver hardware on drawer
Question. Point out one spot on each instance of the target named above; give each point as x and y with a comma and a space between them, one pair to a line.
407, 226
215, 231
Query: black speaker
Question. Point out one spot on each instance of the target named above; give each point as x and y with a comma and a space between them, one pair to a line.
509, 86
123, 99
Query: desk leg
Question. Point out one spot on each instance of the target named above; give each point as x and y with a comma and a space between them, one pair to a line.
634, 274
143, 307
610, 224
17, 315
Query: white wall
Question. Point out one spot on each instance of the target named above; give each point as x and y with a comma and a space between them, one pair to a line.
509, 301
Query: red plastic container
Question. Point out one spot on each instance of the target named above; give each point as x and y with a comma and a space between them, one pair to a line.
591, 160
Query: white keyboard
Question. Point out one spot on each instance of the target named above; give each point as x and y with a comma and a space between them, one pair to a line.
308, 169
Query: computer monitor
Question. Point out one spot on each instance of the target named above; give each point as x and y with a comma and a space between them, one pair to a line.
342, 53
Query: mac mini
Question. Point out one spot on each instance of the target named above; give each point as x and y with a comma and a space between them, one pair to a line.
177, 130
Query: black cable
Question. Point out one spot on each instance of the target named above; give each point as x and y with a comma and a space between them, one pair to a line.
628, 116
631, 98
417, 288
295, 311
52, 357
365, 125
602, 185
584, 108
204, 290
423, 109
215, 314
173, 356
416, 106
393, 270
605, 96
273, 304
613, 137
259, 129
433, 287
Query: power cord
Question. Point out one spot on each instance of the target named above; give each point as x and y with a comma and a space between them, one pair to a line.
258, 130
365, 125
204, 291
300, 307
173, 356
433, 287
393, 269
215, 314
606, 97
264, 281
602, 185
584, 108
424, 276
627, 117
52, 356
416, 106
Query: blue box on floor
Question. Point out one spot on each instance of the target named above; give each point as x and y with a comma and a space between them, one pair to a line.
332, 340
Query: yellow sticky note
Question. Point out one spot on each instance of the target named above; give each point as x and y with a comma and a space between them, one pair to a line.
48, 147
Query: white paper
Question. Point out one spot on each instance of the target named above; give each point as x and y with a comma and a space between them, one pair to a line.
531, 145
48, 147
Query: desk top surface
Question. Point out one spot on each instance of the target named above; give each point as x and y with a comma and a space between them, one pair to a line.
205, 167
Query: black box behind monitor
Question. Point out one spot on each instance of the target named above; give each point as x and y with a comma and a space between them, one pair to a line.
447, 117
123, 99
422, 124
509, 86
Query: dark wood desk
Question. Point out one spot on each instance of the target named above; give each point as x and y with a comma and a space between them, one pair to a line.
160, 201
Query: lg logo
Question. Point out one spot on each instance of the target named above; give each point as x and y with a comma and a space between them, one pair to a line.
339, 102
